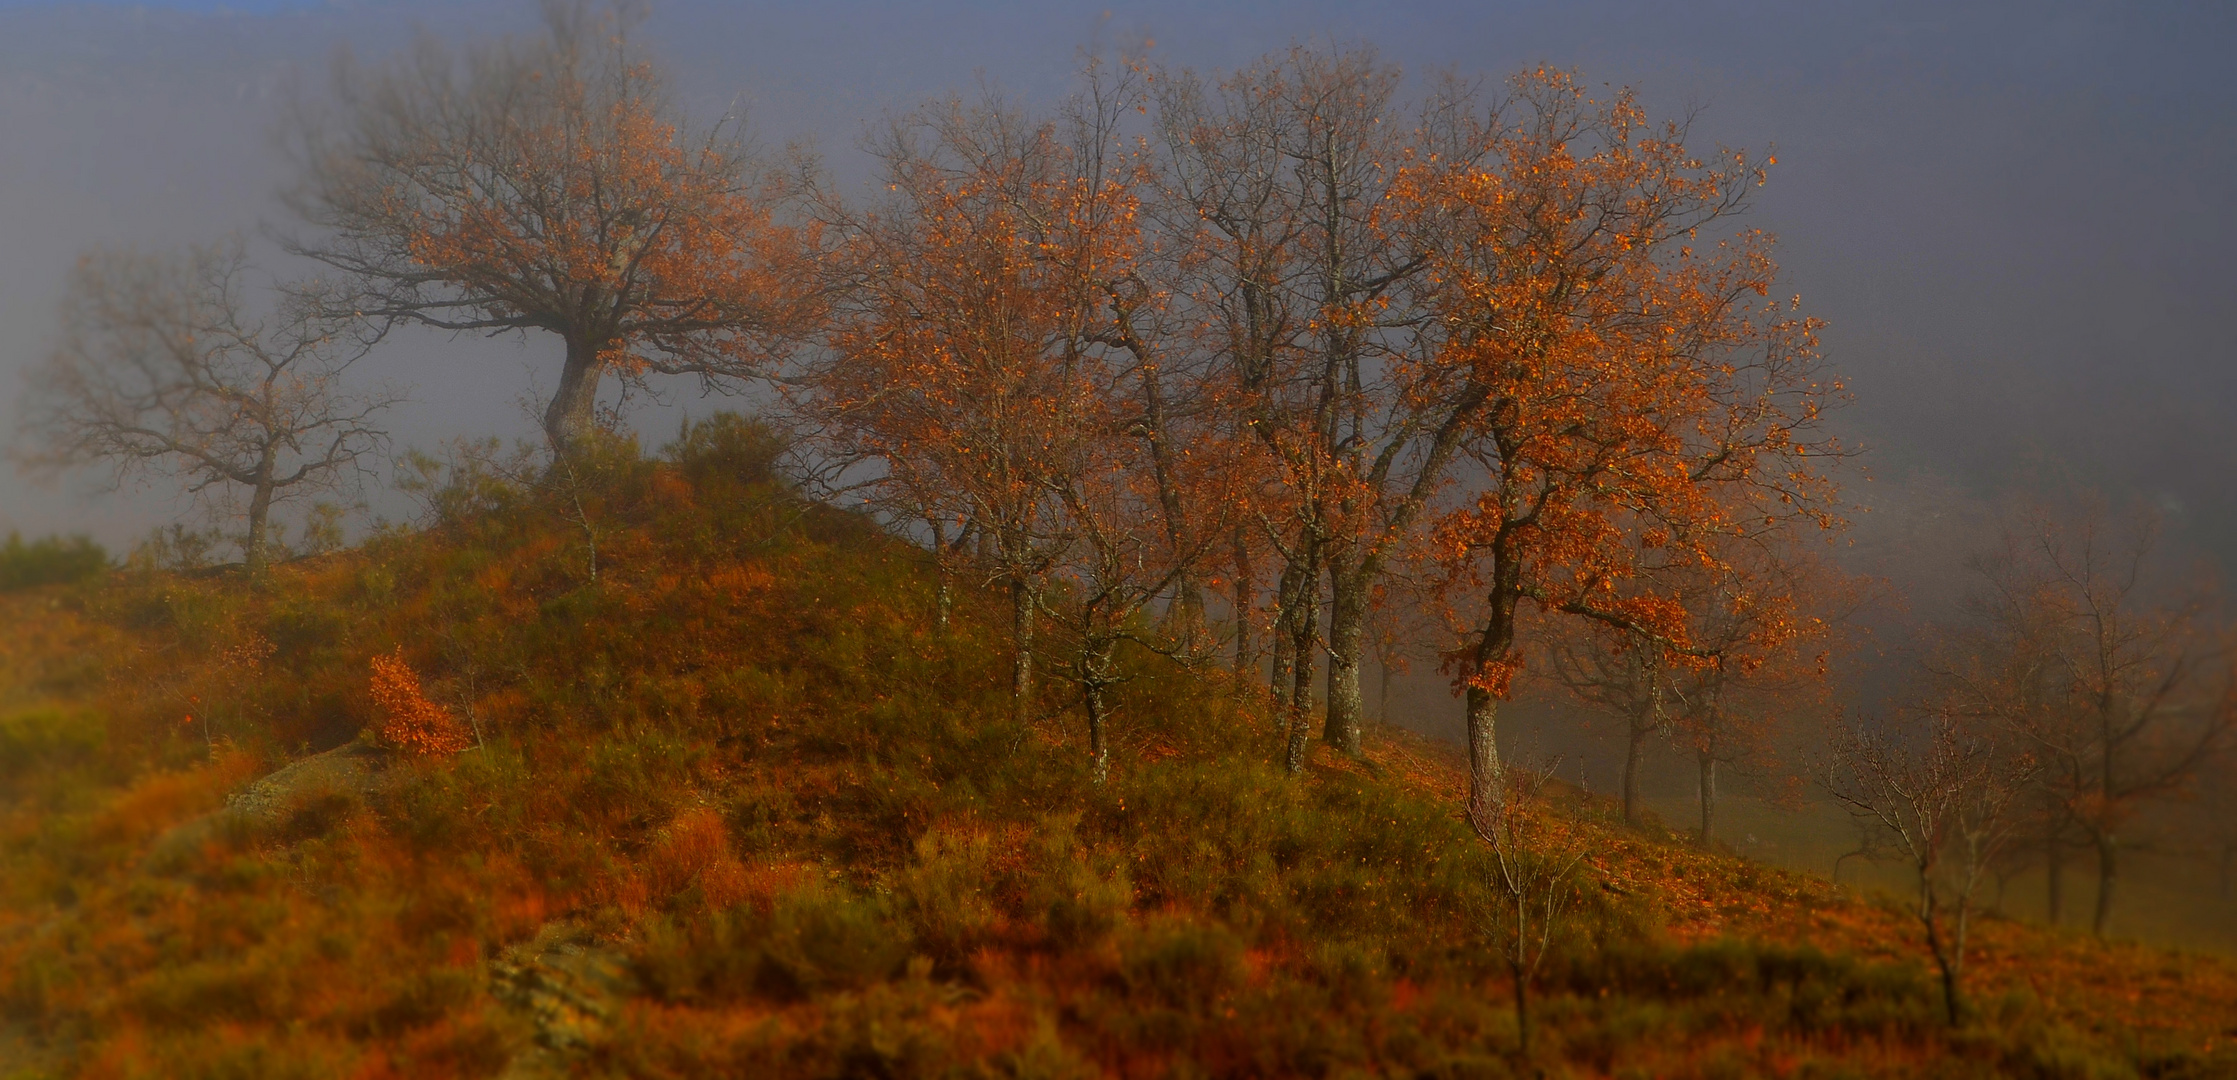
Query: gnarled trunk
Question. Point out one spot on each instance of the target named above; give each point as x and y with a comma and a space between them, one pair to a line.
573, 411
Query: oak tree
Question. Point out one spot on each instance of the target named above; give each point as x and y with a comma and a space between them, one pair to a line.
172, 365
1643, 395
548, 185
2112, 679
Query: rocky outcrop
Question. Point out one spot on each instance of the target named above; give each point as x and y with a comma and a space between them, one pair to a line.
567, 988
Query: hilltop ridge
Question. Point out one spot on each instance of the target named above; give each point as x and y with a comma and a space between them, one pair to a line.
732, 804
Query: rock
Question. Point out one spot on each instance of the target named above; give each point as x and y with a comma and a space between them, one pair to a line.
352, 769
568, 989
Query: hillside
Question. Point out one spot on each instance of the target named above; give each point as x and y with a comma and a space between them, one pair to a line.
735, 807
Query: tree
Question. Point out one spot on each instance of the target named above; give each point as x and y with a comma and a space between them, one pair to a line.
1756, 622
968, 364
1947, 803
164, 366
1642, 396
1534, 876
549, 186
1276, 182
2109, 679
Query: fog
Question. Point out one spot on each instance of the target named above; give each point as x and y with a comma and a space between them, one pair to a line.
2014, 218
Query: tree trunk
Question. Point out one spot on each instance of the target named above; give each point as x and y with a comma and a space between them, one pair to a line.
1483, 746
944, 603
255, 553
1305, 629
1098, 737
1935, 945
1245, 600
573, 411
1286, 612
1708, 769
1631, 774
1347, 624
2108, 875
1022, 603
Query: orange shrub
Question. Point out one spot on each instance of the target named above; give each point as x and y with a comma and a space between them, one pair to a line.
408, 720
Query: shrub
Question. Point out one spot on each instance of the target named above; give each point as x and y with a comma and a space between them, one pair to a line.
409, 721
49, 561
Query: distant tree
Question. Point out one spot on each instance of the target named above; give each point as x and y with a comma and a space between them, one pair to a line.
1644, 399
2110, 679
164, 366
548, 185
1944, 798
1756, 626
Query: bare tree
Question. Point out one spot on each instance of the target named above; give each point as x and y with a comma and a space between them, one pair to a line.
165, 367
1534, 875
2107, 679
1946, 803
548, 185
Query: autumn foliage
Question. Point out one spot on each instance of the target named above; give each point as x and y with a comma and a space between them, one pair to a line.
409, 721
757, 770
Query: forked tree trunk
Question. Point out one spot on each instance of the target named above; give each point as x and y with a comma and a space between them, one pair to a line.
1347, 625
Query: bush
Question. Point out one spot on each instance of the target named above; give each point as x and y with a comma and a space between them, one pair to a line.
49, 561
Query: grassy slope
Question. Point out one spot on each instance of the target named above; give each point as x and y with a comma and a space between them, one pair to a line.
741, 763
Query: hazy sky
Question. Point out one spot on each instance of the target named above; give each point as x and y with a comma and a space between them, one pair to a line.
2017, 218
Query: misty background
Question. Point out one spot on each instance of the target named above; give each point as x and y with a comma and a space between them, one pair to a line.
2017, 219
